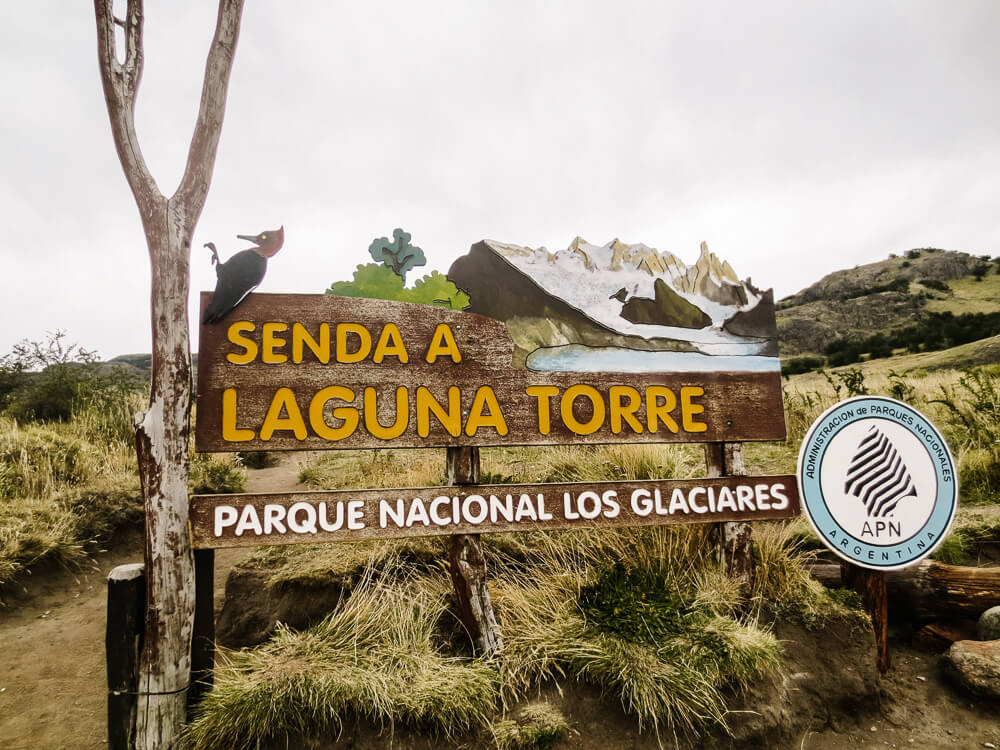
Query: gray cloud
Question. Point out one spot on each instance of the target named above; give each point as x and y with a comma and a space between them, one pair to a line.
796, 138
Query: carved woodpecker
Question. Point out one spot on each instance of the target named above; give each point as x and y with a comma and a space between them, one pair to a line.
241, 274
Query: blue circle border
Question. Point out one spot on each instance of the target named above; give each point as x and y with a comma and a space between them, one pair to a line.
832, 533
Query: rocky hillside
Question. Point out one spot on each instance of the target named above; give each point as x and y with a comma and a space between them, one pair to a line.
888, 294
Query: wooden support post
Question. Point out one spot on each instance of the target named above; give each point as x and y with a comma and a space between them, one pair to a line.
721, 460
468, 566
203, 637
870, 584
123, 645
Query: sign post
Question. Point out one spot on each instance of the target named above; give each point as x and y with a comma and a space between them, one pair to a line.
879, 487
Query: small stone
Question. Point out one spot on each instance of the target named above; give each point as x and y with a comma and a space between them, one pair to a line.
988, 626
989, 744
874, 729
921, 678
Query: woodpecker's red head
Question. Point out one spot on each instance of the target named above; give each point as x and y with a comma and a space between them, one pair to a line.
268, 242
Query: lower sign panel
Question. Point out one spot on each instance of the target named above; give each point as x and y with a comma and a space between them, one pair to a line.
353, 515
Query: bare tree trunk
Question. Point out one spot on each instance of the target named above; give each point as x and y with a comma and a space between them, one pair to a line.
162, 431
162, 443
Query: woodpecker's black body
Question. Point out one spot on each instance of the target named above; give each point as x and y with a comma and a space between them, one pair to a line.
241, 274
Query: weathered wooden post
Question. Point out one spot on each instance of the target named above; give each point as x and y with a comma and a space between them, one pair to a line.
123, 645
162, 431
203, 639
870, 584
468, 566
725, 460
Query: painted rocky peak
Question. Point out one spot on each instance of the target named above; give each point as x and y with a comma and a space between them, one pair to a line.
710, 284
618, 294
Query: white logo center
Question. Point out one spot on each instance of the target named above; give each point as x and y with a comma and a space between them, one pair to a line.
871, 473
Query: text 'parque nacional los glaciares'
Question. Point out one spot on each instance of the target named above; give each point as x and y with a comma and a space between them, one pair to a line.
241, 520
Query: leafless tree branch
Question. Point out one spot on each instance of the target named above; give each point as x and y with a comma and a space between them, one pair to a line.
121, 85
193, 187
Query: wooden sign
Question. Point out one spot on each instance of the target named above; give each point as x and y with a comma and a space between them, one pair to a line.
314, 372
351, 515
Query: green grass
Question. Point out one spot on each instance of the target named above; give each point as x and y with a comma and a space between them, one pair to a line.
533, 726
969, 296
67, 487
60, 493
671, 664
375, 656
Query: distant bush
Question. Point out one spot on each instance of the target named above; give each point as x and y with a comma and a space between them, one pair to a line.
46, 381
934, 284
931, 332
896, 285
911, 254
797, 365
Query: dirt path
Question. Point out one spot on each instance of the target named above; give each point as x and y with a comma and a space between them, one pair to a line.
52, 671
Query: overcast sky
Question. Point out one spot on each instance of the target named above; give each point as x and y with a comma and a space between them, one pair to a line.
796, 138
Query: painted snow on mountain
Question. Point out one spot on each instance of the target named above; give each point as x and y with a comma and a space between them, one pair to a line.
586, 301
591, 278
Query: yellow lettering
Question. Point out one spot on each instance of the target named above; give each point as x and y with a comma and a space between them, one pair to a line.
364, 347
442, 344
372, 423
390, 344
450, 420
321, 348
230, 431
347, 414
485, 397
619, 410
249, 345
597, 404
689, 409
270, 341
284, 400
660, 412
543, 394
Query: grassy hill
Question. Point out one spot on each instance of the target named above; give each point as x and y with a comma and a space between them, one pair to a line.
920, 288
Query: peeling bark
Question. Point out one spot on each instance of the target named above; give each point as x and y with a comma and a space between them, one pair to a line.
162, 430
468, 566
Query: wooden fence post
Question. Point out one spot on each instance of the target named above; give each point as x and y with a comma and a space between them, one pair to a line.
721, 460
123, 646
468, 566
870, 584
203, 635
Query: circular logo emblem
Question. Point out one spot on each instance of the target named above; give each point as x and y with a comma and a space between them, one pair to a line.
878, 482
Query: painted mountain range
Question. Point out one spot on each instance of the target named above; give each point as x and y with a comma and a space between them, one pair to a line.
617, 296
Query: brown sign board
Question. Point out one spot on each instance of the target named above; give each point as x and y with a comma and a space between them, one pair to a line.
354, 515
314, 372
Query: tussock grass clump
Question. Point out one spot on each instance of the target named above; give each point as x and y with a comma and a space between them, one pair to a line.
216, 473
375, 657
637, 616
59, 493
375, 468
328, 563
534, 726
36, 460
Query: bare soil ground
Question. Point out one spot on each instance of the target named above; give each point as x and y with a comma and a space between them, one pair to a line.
53, 689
